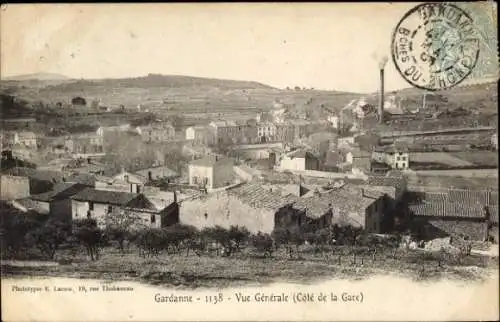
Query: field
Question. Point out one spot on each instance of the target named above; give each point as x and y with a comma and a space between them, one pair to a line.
480, 158
439, 157
473, 179
248, 268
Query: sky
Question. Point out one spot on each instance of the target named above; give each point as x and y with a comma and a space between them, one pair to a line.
325, 46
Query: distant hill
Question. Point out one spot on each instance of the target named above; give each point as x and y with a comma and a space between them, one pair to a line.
36, 76
170, 81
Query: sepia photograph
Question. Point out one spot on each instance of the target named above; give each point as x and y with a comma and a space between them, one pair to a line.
249, 161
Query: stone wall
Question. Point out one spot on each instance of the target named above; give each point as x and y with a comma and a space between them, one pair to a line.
224, 210
14, 187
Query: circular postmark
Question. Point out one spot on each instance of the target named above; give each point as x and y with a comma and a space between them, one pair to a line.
435, 46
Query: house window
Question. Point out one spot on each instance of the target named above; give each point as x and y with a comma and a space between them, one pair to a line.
91, 205
126, 178
110, 209
195, 180
206, 216
153, 219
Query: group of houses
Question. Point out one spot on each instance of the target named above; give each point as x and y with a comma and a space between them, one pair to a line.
69, 198
250, 132
377, 204
25, 139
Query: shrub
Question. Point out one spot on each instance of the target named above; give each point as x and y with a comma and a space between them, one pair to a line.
15, 227
89, 235
263, 243
238, 235
50, 236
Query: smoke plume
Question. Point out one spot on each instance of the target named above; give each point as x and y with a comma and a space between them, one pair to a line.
382, 61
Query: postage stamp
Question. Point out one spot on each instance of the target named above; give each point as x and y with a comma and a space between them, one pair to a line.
435, 46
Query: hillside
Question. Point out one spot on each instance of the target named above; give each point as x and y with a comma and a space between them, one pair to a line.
195, 97
37, 76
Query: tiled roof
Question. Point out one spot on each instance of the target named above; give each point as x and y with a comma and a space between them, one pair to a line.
258, 197
60, 191
447, 209
479, 197
471, 196
105, 197
83, 178
345, 200
395, 181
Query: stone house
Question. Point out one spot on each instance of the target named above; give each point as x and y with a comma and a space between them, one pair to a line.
230, 132
357, 206
39, 180
285, 132
299, 160
452, 212
266, 132
57, 201
434, 220
100, 205
200, 135
360, 160
160, 132
397, 157
123, 181
103, 130
23, 138
210, 172
85, 145
247, 204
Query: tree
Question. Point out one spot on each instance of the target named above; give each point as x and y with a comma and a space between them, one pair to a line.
150, 241
263, 243
89, 235
15, 227
217, 234
289, 238
238, 235
119, 226
79, 101
50, 236
178, 234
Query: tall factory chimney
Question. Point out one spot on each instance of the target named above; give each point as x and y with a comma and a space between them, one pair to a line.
381, 67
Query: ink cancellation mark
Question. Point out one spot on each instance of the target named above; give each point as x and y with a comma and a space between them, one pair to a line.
435, 46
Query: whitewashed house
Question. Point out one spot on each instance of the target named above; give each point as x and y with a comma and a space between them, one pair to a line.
394, 156
211, 172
